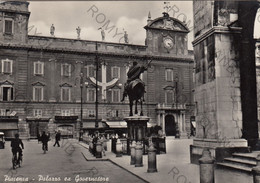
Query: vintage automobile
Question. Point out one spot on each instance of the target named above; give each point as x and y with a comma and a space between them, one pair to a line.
2, 140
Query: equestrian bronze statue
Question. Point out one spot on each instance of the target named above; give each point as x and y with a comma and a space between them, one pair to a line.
135, 87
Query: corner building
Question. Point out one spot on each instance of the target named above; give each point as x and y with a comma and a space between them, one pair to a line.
42, 88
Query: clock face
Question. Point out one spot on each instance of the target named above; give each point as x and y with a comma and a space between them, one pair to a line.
168, 43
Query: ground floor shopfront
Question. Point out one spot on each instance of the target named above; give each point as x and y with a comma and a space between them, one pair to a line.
9, 126
31, 119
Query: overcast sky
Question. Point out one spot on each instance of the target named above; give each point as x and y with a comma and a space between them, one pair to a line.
130, 16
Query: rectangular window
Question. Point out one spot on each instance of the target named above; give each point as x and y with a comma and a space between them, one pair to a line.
66, 70
91, 113
38, 93
115, 95
3, 112
169, 75
38, 68
37, 112
65, 94
65, 112
91, 94
91, 71
115, 113
8, 26
115, 72
7, 66
169, 96
7, 93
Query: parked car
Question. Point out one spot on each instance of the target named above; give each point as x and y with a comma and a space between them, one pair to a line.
2, 140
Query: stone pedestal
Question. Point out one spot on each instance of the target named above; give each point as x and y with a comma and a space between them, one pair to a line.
137, 127
225, 102
138, 155
219, 148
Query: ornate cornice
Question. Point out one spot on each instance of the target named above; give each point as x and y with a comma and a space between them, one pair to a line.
216, 29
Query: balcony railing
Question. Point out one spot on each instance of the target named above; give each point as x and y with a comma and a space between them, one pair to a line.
173, 106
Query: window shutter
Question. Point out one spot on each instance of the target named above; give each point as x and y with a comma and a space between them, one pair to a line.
12, 93
8, 26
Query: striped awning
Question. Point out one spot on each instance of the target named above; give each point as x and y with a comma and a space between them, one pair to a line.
91, 125
8, 126
116, 124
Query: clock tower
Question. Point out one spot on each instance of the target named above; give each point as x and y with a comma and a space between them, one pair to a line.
166, 36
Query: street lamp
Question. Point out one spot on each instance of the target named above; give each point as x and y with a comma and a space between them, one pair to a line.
97, 65
176, 88
81, 107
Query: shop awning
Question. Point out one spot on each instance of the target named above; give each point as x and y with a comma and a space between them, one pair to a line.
91, 125
8, 126
149, 125
41, 119
116, 124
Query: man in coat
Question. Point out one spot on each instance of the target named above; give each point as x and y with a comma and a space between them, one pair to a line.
57, 139
45, 138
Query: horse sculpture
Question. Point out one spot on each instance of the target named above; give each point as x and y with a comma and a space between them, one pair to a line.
134, 87
135, 94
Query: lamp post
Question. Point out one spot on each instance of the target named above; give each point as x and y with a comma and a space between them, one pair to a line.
97, 65
176, 89
81, 107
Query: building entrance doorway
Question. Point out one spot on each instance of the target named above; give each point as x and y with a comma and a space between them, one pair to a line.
37, 127
170, 125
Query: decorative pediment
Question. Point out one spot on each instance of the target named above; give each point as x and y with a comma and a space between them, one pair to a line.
38, 84
65, 85
6, 82
168, 88
167, 23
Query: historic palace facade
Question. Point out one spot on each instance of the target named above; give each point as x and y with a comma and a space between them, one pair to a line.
49, 83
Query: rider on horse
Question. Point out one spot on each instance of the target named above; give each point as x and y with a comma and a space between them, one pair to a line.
134, 73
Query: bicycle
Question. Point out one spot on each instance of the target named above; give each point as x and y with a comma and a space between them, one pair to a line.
17, 162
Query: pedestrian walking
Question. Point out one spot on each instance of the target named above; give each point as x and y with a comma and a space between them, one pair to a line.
44, 138
57, 139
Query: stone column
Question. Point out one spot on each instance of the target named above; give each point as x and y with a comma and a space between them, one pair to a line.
224, 93
183, 129
163, 122
158, 119
184, 122
180, 122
